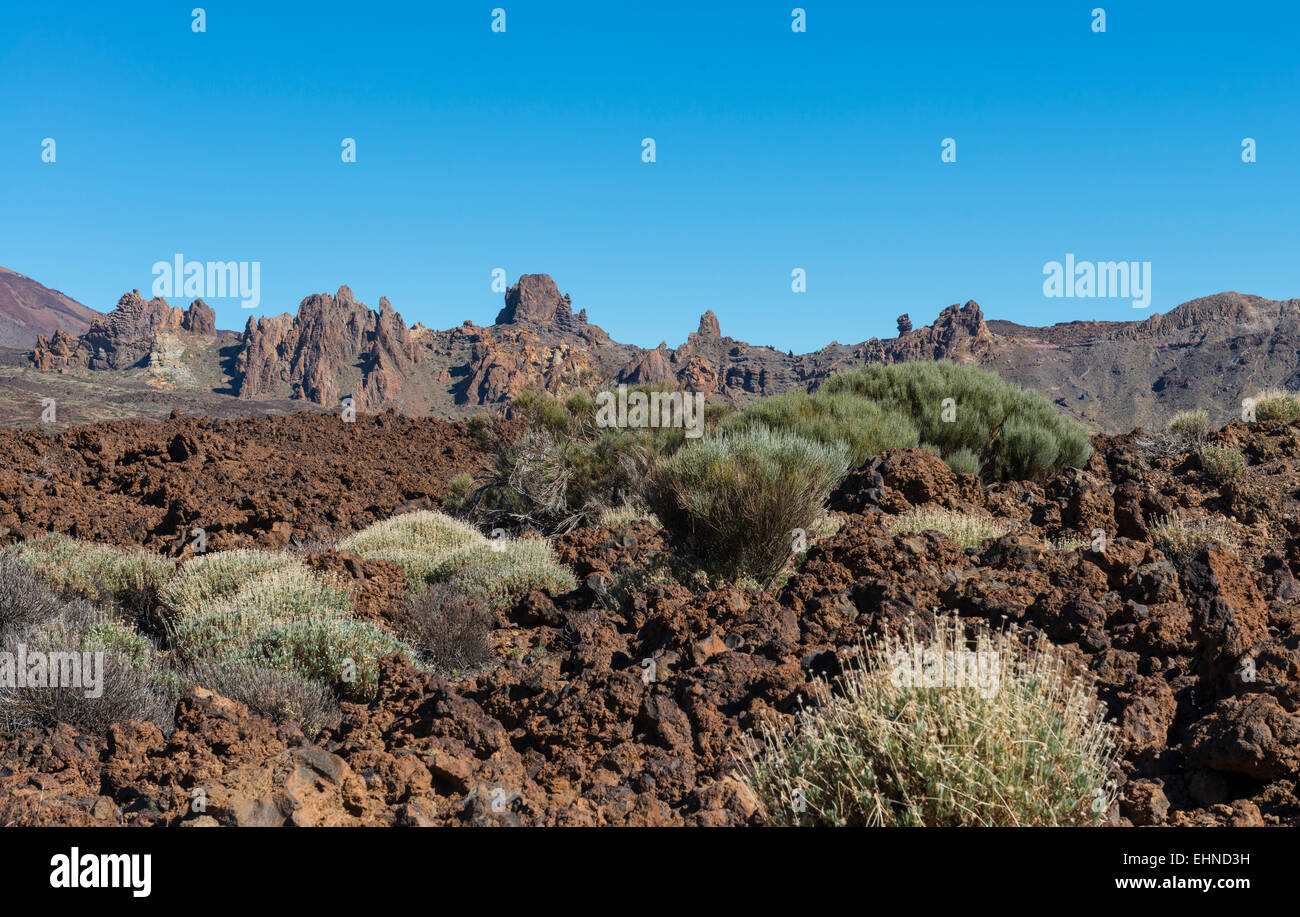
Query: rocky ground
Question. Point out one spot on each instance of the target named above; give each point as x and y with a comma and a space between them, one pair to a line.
568, 729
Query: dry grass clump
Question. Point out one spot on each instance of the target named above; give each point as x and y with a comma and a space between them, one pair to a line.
902, 739
969, 530
1223, 463
432, 547
1190, 426
425, 532
1182, 539
626, 514
1276, 405
96, 572
284, 618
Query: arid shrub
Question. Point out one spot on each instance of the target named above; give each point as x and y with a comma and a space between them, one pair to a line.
1189, 426
493, 572
431, 548
969, 530
1017, 434
270, 693
1223, 463
336, 651
25, 599
1181, 539
272, 598
1277, 406
964, 461
734, 500
423, 533
96, 572
213, 578
76, 690
949, 733
564, 468
452, 631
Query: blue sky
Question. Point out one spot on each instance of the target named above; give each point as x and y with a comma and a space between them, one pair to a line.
775, 150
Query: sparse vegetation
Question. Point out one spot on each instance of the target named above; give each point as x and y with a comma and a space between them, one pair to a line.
84, 695
278, 695
969, 530
881, 749
216, 577
1223, 463
333, 650
1181, 539
452, 631
734, 500
1189, 427
96, 572
564, 470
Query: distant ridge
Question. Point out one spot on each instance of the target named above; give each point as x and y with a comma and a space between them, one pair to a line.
1113, 376
29, 310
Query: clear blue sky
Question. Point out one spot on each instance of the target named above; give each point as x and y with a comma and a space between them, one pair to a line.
775, 150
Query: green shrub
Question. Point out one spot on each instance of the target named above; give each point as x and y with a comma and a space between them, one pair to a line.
272, 598
97, 572
433, 548
214, 577
336, 651
865, 427
1026, 746
734, 499
423, 532
1015, 433
563, 470
1277, 406
969, 530
1223, 463
963, 461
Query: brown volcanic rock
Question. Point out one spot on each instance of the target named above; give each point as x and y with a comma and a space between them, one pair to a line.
651, 367
567, 729
535, 298
29, 310
200, 319
248, 482
124, 337
333, 347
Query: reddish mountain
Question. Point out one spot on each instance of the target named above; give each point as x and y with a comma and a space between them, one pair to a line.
29, 310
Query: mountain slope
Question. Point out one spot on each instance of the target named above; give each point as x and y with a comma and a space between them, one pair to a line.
1208, 353
28, 310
